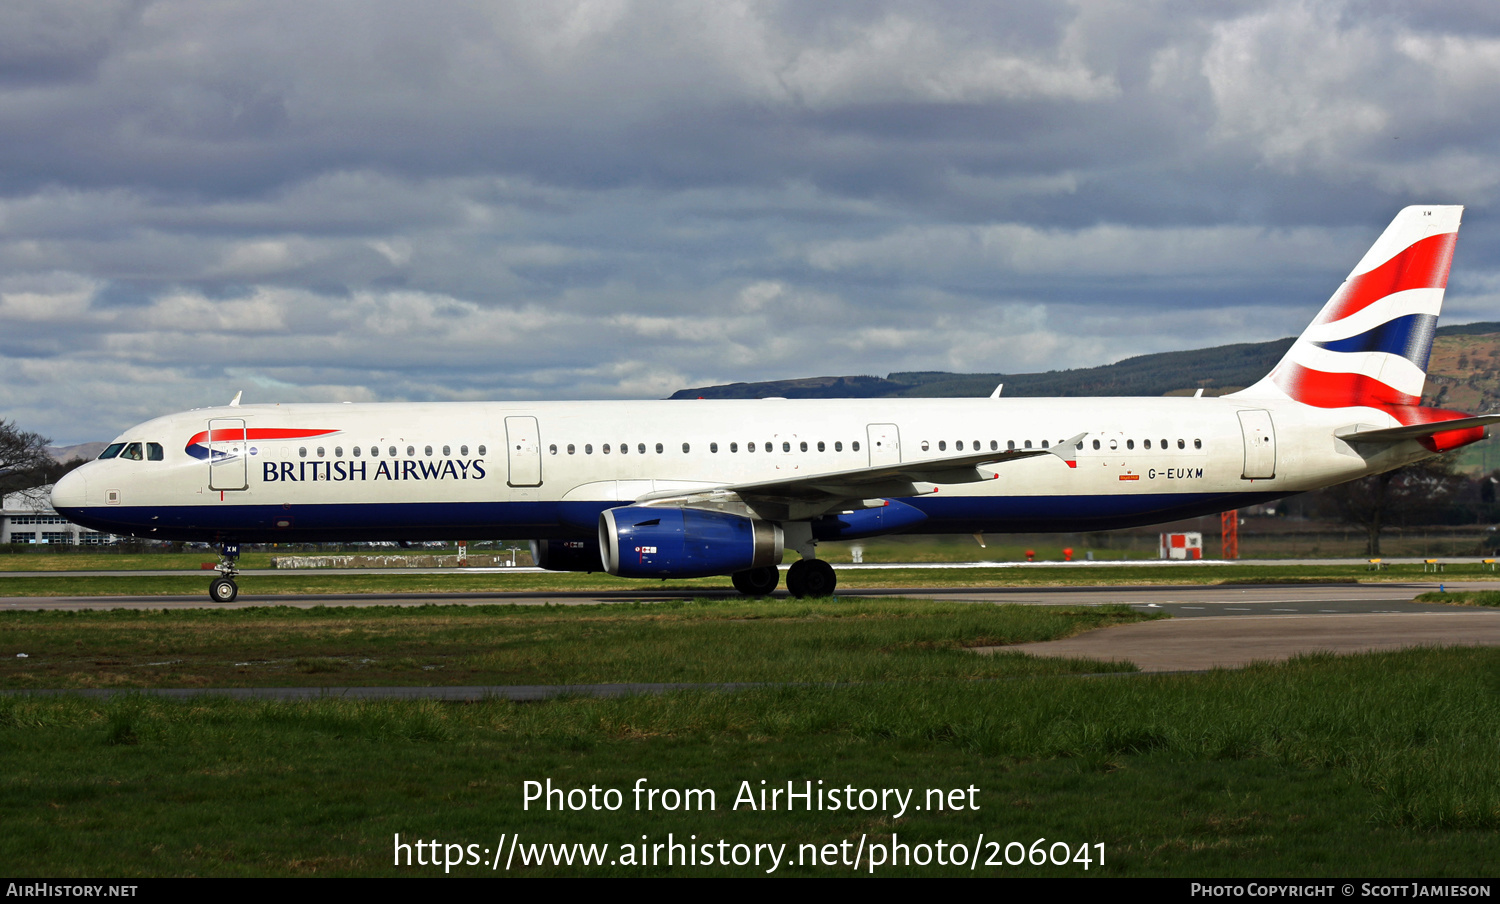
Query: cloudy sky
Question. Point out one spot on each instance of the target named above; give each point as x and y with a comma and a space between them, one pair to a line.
608, 199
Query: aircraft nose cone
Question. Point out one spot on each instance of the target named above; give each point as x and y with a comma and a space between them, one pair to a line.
71, 492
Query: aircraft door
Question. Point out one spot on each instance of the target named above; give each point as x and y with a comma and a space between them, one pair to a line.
228, 467
523, 450
885, 444
1260, 444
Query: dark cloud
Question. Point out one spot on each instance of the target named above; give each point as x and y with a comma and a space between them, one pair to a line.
383, 200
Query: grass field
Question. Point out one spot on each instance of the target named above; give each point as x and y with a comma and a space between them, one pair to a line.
704, 641
1376, 765
1367, 766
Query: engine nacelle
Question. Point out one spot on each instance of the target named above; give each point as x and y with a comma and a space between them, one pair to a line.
870, 522
567, 555
643, 542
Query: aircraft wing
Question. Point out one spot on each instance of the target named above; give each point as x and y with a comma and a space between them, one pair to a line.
809, 495
1417, 431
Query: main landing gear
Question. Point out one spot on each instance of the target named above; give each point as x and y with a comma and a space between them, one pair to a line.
808, 577
757, 581
224, 589
811, 577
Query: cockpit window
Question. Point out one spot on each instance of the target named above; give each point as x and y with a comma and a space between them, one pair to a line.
154, 452
111, 451
133, 452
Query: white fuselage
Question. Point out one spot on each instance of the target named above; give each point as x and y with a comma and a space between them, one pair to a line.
547, 469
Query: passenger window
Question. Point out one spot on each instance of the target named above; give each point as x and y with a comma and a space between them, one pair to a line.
111, 451
838, 446
804, 447
448, 450
958, 446
392, 451
1197, 444
994, 445
322, 453
1096, 444
685, 448
749, 447
153, 452
604, 448
1028, 444
624, 448
820, 446
786, 446
552, 448
570, 449
1046, 444
1181, 444
411, 451
588, 448
302, 452
481, 448
1114, 444
464, 451
713, 447
640, 448
659, 448
1010, 445
1130, 444
427, 450
1148, 444
734, 447
942, 445
854, 445
338, 451
1163, 444
374, 451
356, 451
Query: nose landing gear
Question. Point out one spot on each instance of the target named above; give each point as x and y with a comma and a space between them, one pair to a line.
224, 589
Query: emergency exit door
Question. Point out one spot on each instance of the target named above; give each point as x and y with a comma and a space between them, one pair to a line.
885, 444
1260, 444
523, 452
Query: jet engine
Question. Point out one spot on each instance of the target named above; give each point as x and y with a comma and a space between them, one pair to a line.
644, 542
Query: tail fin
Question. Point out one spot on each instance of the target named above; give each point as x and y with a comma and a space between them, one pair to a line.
1369, 345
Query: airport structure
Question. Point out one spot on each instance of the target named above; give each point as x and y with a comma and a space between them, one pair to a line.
28, 517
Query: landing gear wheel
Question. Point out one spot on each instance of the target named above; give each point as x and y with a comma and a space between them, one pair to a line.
223, 590
757, 581
811, 578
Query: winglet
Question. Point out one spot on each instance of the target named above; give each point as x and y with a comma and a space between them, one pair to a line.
996, 393
1067, 450
235, 402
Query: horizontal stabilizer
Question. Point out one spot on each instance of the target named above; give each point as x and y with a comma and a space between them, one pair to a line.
1418, 431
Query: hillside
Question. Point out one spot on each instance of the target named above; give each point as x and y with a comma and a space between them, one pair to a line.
1464, 373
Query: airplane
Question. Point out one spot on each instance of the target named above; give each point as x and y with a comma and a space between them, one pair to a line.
679, 489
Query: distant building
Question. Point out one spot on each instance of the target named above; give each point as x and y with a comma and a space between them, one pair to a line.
28, 517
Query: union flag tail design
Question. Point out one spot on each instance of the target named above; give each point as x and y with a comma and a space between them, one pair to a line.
1369, 345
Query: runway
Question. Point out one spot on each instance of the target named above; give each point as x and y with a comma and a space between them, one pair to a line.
1210, 627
